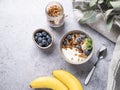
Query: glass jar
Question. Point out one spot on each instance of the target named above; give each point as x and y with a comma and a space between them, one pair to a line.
55, 14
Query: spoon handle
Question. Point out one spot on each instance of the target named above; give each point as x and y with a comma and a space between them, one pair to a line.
89, 75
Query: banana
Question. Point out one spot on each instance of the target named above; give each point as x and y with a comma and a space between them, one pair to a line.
48, 82
68, 79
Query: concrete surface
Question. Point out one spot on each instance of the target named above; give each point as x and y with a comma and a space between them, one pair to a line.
21, 61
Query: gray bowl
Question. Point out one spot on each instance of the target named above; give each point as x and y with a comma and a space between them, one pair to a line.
39, 30
70, 61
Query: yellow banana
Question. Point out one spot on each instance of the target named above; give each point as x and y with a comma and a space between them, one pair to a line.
68, 79
48, 82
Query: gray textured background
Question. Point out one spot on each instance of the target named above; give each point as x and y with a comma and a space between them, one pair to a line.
21, 61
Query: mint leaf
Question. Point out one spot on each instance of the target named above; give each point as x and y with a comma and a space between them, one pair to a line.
89, 40
89, 43
89, 46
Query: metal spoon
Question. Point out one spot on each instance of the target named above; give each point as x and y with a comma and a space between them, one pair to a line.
101, 53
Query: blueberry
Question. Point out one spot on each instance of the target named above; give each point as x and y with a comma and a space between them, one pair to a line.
64, 42
35, 38
44, 42
39, 34
48, 37
49, 40
79, 47
39, 39
44, 38
36, 34
41, 44
87, 52
69, 37
83, 36
79, 39
44, 33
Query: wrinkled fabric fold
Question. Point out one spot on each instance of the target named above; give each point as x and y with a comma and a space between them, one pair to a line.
114, 69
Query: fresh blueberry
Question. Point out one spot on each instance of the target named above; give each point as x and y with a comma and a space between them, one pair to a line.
83, 36
44, 42
69, 37
44, 33
64, 42
79, 47
44, 38
49, 40
38, 34
87, 52
48, 37
79, 39
39, 39
41, 44
35, 38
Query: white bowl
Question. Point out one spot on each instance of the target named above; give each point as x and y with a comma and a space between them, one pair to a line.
71, 61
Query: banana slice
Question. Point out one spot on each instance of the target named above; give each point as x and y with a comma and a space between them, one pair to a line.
48, 82
68, 79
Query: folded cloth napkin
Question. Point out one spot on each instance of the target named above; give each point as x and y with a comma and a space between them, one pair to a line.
114, 69
114, 35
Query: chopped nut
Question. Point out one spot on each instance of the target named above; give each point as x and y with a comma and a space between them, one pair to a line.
83, 55
75, 54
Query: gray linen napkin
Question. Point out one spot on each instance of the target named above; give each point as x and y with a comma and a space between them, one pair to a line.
100, 26
114, 69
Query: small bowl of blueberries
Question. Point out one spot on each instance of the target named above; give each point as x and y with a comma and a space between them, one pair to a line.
42, 38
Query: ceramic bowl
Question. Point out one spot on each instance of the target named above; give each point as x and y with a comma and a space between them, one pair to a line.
68, 59
36, 42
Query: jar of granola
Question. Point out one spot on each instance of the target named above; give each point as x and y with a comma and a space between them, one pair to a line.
55, 14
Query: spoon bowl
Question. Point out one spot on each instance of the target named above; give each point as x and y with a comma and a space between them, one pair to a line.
102, 52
